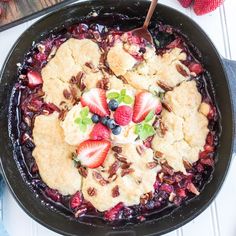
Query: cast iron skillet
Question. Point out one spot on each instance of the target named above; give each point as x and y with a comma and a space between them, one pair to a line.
223, 93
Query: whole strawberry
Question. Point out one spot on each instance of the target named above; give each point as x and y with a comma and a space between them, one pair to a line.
185, 3
202, 7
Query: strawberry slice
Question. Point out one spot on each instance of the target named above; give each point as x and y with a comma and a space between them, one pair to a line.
92, 153
202, 7
95, 99
185, 3
34, 79
100, 132
143, 104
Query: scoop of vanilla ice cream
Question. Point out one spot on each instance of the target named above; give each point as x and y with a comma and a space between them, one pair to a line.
72, 131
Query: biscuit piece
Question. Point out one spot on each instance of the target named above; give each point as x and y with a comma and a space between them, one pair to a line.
53, 156
72, 131
119, 60
164, 68
186, 127
130, 187
72, 57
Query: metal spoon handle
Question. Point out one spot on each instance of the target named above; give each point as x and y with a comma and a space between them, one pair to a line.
150, 13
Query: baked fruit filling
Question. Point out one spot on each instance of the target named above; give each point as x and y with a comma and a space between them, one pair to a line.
117, 127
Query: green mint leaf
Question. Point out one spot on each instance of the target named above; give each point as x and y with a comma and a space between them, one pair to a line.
82, 127
137, 128
120, 99
84, 112
113, 95
87, 121
149, 116
123, 92
127, 99
146, 131
77, 120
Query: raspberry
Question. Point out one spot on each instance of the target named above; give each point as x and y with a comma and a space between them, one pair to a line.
100, 132
123, 115
76, 200
113, 213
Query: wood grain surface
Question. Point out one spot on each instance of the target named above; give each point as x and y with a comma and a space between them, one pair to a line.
16, 11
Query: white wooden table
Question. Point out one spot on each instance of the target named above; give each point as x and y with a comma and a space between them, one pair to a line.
219, 218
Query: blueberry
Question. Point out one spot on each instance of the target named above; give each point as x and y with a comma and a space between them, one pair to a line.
111, 124
116, 130
95, 118
104, 120
113, 104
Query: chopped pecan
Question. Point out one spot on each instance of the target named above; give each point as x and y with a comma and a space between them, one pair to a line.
117, 149
187, 164
112, 178
113, 168
66, 94
146, 197
98, 177
181, 70
151, 165
167, 169
159, 154
103, 84
120, 157
164, 86
79, 80
126, 171
83, 171
91, 66
163, 128
115, 191
52, 53
91, 191
126, 165
167, 106
140, 149
124, 80
62, 114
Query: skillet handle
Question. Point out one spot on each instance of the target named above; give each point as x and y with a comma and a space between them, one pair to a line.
230, 69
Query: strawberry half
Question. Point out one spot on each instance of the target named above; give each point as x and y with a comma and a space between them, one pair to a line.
95, 99
34, 79
92, 153
100, 132
202, 7
143, 104
185, 3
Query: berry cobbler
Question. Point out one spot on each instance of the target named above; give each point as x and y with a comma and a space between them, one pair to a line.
113, 127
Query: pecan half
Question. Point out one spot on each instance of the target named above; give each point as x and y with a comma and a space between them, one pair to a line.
167, 106
79, 80
91, 191
117, 149
98, 177
126, 171
164, 86
113, 168
62, 114
181, 70
83, 171
151, 165
115, 191
187, 164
